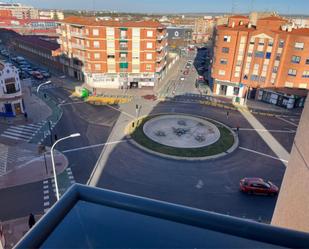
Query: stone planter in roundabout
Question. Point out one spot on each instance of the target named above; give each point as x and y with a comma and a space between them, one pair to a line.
183, 136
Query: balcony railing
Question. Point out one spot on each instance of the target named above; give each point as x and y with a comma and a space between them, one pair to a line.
77, 34
159, 48
123, 48
159, 69
78, 46
161, 36
123, 38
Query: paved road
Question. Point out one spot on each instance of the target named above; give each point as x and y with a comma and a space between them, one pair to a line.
210, 185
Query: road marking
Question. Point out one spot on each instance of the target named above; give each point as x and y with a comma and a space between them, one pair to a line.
46, 203
268, 138
45, 187
93, 146
46, 192
128, 114
72, 103
287, 121
264, 130
12, 137
45, 182
263, 154
46, 210
46, 197
199, 184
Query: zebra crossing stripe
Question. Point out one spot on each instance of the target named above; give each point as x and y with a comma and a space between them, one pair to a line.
16, 135
28, 133
30, 129
46, 210
46, 197
46, 203
45, 181
12, 137
45, 186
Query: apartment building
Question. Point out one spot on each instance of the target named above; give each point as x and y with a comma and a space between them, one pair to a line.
270, 55
113, 54
11, 103
203, 29
20, 11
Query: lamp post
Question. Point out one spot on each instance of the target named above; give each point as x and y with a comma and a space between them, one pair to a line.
53, 160
42, 84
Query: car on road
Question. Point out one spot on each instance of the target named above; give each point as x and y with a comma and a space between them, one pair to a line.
182, 78
186, 72
190, 61
37, 75
254, 185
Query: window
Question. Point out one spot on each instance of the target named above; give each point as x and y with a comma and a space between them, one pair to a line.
307, 61
97, 66
95, 32
262, 79
148, 67
261, 41
299, 45
254, 77
278, 56
221, 72
225, 50
148, 56
295, 59
110, 31
281, 43
270, 43
97, 55
110, 56
259, 54
227, 38
292, 72
275, 69
223, 61
236, 91
96, 44
238, 63
149, 33
249, 54
305, 74
252, 41
149, 45
268, 55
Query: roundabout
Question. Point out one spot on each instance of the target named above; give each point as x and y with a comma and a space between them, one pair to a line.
183, 136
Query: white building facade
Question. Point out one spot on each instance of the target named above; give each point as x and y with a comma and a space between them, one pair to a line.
11, 102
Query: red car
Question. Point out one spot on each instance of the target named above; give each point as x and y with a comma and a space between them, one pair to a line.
253, 185
186, 72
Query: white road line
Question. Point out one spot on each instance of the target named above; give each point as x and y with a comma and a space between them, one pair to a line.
264, 130
263, 154
46, 197
128, 114
45, 186
22, 129
46, 192
287, 121
46, 203
27, 133
45, 181
16, 134
93, 146
8, 136
72, 103
46, 210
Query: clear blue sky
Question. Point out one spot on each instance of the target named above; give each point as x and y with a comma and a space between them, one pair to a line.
174, 6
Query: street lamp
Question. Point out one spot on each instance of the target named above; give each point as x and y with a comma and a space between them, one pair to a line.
42, 84
53, 161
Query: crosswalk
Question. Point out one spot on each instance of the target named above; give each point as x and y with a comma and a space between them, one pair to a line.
23, 132
3, 159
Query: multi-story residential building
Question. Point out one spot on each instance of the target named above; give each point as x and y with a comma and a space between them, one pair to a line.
11, 103
203, 29
113, 54
179, 36
51, 15
269, 55
20, 11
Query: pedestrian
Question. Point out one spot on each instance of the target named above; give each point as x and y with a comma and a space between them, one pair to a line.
26, 116
237, 129
227, 115
56, 137
31, 220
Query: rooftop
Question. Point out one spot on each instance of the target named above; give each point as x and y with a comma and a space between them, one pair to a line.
87, 217
32, 39
92, 21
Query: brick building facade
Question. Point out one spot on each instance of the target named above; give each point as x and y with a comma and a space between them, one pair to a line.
113, 54
269, 55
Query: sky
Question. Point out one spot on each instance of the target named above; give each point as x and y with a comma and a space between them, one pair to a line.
176, 6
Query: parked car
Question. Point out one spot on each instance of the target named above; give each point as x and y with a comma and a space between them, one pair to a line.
254, 185
186, 72
182, 78
37, 75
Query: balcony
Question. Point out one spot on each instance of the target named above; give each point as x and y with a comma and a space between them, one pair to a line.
159, 69
161, 36
123, 39
159, 48
123, 48
78, 46
124, 65
77, 34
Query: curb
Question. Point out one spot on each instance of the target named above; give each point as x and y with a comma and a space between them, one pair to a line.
166, 156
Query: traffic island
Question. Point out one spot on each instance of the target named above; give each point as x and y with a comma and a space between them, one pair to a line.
182, 136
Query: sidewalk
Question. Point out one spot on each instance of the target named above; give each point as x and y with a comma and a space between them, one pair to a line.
22, 164
36, 109
14, 230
